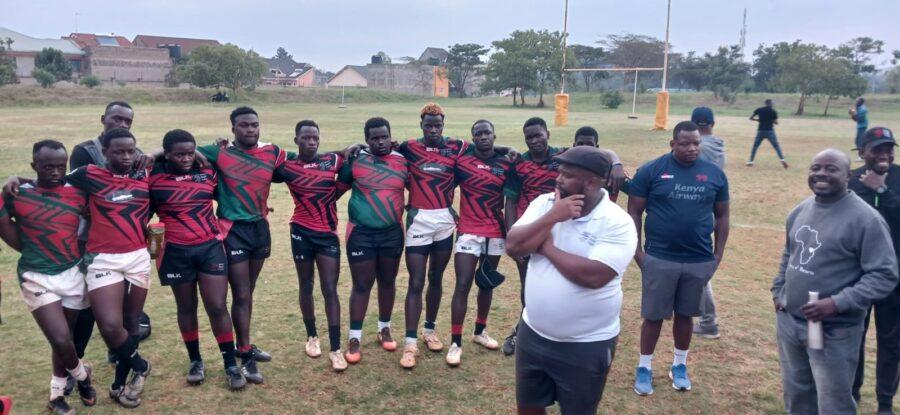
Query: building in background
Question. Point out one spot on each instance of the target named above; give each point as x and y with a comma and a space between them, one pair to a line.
177, 46
434, 56
350, 75
24, 49
84, 40
115, 59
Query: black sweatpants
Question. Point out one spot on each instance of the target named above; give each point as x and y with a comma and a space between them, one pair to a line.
887, 363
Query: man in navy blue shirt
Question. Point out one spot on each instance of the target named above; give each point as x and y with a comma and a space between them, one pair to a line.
686, 200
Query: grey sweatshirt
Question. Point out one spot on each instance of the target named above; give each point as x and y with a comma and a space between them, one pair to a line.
843, 250
712, 149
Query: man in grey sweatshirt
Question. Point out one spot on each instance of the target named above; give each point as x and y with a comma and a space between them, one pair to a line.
840, 247
712, 149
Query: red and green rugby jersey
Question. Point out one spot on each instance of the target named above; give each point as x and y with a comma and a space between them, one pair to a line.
431, 178
315, 189
184, 203
47, 222
119, 207
534, 179
378, 183
483, 185
245, 178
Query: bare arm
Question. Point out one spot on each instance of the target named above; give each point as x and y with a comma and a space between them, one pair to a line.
510, 212
636, 207
721, 229
582, 271
9, 233
526, 239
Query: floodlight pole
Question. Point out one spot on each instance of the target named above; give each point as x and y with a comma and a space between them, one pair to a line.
666, 46
565, 36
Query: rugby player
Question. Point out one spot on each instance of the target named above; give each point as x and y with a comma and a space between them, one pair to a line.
245, 168
311, 178
41, 222
374, 234
182, 195
431, 220
117, 114
116, 258
484, 176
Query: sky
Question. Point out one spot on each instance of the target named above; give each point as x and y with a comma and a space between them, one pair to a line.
332, 33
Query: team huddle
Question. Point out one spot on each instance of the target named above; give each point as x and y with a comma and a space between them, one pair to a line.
86, 244
107, 203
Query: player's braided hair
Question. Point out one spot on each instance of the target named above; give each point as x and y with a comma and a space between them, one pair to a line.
431, 109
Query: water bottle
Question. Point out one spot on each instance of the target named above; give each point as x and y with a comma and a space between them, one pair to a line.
814, 328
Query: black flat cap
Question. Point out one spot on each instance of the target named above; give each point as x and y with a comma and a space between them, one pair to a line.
588, 158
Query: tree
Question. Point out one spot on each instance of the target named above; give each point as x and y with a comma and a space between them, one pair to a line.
223, 65
43, 77
511, 67
892, 78
588, 57
859, 52
690, 70
633, 51
547, 54
282, 55
726, 72
462, 62
7, 64
838, 78
800, 70
54, 62
765, 68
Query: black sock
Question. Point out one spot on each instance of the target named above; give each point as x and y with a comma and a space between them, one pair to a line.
334, 337
228, 353
429, 325
479, 328
124, 352
137, 362
456, 338
310, 324
193, 349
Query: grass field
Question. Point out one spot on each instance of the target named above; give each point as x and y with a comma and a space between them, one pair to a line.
736, 374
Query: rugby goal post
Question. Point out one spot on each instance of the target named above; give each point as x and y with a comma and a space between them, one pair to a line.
662, 97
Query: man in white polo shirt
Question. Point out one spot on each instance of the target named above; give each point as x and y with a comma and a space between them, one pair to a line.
580, 245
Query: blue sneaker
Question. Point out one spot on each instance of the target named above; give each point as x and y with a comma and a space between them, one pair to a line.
679, 376
643, 382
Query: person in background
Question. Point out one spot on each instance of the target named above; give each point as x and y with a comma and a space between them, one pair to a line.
767, 117
860, 114
712, 149
878, 184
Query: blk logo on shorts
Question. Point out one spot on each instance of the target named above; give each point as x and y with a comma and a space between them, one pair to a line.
173, 276
40, 293
356, 253
237, 252
102, 274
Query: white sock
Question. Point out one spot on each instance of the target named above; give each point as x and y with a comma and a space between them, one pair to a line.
427, 331
79, 372
356, 334
645, 361
383, 324
411, 340
680, 357
57, 387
